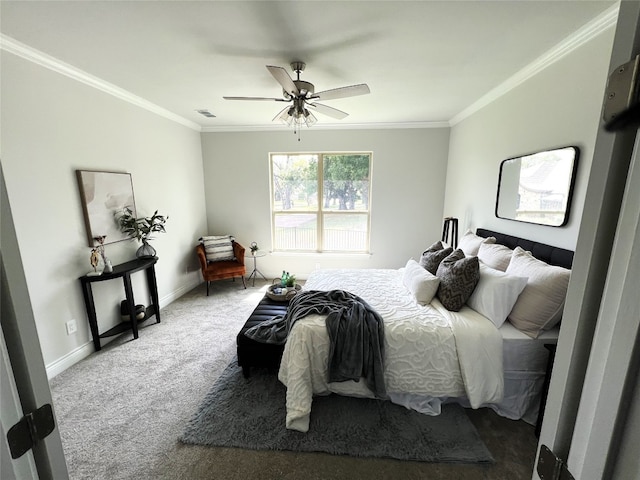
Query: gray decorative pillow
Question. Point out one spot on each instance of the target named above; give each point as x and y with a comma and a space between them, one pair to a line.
458, 276
436, 246
433, 255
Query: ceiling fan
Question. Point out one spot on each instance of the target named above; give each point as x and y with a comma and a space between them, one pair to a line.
301, 94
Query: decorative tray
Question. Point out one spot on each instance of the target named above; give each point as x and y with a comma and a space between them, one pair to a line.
282, 294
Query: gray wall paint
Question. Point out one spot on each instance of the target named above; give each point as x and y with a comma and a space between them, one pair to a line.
409, 168
51, 126
559, 106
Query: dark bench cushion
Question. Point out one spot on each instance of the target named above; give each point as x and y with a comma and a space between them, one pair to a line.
256, 354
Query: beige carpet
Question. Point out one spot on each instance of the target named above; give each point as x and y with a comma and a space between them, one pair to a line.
121, 410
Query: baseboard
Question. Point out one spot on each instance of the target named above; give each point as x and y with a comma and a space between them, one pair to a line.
83, 351
70, 359
167, 299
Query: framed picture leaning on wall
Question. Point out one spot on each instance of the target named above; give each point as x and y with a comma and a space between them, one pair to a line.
103, 195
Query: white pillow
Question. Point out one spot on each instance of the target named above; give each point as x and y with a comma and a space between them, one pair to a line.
496, 294
495, 255
218, 248
540, 304
470, 243
422, 284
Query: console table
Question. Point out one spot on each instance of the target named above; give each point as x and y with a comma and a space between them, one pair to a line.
124, 271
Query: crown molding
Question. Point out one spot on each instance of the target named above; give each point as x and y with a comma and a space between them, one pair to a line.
598, 25
318, 126
30, 54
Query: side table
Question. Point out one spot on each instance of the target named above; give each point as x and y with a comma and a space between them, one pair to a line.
255, 272
124, 271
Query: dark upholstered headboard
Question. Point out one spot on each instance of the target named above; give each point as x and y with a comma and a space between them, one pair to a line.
546, 253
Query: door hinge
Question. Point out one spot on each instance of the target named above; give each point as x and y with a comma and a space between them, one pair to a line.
621, 104
551, 467
31, 429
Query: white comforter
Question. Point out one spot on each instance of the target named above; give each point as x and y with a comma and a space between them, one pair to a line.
430, 353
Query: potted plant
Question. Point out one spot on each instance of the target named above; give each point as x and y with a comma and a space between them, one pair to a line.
142, 229
254, 248
290, 281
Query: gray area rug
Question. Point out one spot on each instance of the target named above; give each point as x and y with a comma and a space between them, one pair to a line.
250, 413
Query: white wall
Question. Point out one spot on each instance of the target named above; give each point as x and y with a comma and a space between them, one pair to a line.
53, 125
408, 165
559, 106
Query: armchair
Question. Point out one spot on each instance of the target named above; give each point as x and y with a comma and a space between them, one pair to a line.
224, 269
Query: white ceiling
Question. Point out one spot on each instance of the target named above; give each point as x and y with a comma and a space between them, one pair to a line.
424, 61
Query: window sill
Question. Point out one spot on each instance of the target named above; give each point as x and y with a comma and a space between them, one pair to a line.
322, 254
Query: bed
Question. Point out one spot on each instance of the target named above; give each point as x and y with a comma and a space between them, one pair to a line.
432, 355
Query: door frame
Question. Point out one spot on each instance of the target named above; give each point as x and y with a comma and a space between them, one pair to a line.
590, 372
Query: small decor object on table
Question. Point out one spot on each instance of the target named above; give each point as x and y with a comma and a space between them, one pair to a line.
284, 288
140, 311
108, 268
141, 229
288, 280
254, 248
94, 259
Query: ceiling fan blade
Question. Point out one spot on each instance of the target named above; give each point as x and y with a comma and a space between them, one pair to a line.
257, 98
329, 111
283, 78
342, 92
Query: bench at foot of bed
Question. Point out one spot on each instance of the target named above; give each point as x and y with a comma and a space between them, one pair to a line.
256, 354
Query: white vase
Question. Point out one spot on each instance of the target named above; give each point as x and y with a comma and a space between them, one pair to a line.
108, 268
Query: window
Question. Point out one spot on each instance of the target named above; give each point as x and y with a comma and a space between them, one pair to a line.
320, 202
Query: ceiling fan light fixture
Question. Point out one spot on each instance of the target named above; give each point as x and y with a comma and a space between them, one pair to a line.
310, 118
300, 117
302, 94
294, 120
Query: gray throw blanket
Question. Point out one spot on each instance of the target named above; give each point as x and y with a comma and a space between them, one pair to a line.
356, 334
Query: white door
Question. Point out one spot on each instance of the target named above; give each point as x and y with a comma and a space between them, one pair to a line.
24, 377
592, 412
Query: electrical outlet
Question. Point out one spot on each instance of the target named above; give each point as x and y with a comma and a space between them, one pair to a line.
72, 327
317, 266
